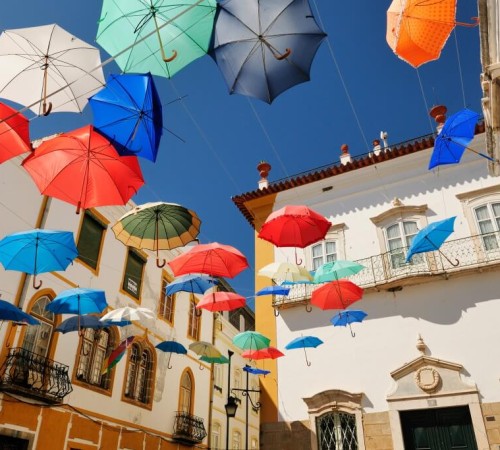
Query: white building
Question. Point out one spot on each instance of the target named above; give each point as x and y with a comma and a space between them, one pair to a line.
422, 370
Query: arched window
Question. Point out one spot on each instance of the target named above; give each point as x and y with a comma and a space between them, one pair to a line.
186, 393
37, 337
138, 385
399, 236
236, 440
488, 221
216, 444
337, 431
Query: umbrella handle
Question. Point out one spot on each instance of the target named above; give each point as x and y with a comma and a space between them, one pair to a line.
46, 108
307, 361
276, 312
160, 265
168, 362
35, 285
164, 57
308, 307
353, 334
454, 264
297, 260
282, 56
198, 312
78, 207
474, 23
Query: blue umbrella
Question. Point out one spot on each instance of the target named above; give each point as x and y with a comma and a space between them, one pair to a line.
128, 112
171, 347
10, 312
454, 137
78, 301
76, 323
255, 370
431, 238
346, 317
196, 284
303, 342
273, 290
38, 251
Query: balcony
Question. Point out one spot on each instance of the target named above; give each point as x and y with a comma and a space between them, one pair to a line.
34, 376
388, 271
188, 429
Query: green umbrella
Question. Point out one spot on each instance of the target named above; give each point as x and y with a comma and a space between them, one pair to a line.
251, 340
215, 359
335, 270
157, 226
180, 33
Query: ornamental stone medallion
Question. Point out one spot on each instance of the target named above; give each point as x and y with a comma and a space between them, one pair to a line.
427, 378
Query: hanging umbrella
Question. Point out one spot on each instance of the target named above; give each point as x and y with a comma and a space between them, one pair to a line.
47, 69
14, 133
128, 112
117, 354
38, 251
304, 342
157, 226
76, 323
160, 36
273, 290
81, 167
454, 138
214, 259
346, 317
171, 347
221, 301
206, 349
418, 30
336, 295
251, 340
127, 313
255, 370
431, 238
264, 49
12, 313
265, 353
285, 271
335, 270
215, 360
196, 284
78, 301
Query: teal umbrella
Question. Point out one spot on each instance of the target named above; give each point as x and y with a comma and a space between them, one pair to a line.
157, 36
251, 340
335, 270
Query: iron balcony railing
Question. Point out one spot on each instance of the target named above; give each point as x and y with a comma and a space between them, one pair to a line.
389, 270
35, 376
188, 428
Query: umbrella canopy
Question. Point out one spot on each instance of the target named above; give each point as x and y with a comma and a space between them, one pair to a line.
157, 226
335, 270
76, 323
196, 284
345, 318
45, 68
262, 48
265, 353
38, 251
431, 237
81, 167
172, 347
215, 360
12, 313
127, 313
128, 112
214, 259
336, 295
285, 271
251, 340
78, 301
221, 301
160, 36
14, 133
304, 342
255, 370
206, 349
454, 138
273, 290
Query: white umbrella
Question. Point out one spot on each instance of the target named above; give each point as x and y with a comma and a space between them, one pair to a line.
285, 271
46, 68
127, 313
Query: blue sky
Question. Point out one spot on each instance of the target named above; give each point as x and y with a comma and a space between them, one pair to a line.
358, 87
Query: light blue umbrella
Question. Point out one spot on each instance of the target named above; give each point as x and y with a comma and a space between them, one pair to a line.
12, 313
78, 301
196, 284
38, 251
346, 317
303, 342
335, 270
273, 290
431, 238
171, 347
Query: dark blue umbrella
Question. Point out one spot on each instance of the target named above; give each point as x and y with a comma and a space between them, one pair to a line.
10, 312
346, 317
431, 238
171, 347
255, 370
38, 251
304, 342
273, 290
454, 138
76, 323
78, 301
196, 284
128, 112
265, 48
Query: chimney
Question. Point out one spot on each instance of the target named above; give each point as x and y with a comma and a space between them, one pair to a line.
376, 147
438, 113
264, 169
383, 136
345, 157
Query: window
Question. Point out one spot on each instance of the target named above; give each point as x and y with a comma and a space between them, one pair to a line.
134, 270
488, 221
399, 237
95, 347
186, 393
139, 379
237, 383
337, 431
218, 377
236, 441
167, 304
216, 445
194, 320
90, 239
323, 252
254, 444
37, 337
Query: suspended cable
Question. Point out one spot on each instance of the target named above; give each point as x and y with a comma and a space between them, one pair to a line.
460, 68
425, 100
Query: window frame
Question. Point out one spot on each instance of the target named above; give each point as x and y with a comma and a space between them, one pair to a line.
143, 257
164, 299
193, 317
148, 378
494, 220
335, 234
180, 403
103, 222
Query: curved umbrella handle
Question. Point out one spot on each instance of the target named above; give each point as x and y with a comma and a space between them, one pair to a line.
308, 307
162, 264
353, 334
164, 57
168, 362
78, 207
35, 285
283, 55
454, 264
46, 108
474, 23
307, 361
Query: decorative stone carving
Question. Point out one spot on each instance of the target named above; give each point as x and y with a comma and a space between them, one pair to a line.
427, 378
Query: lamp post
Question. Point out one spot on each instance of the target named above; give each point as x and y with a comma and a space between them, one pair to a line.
231, 404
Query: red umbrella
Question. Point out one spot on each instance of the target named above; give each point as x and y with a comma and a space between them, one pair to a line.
265, 353
336, 295
14, 133
214, 259
82, 168
221, 301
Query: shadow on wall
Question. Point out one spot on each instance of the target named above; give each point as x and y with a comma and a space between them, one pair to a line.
285, 435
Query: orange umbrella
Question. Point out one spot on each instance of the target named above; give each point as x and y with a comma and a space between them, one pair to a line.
221, 301
418, 29
336, 295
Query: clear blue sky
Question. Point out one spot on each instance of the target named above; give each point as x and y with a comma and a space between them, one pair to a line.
226, 136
